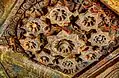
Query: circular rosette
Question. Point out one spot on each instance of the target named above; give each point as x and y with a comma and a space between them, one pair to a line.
90, 57
68, 66
44, 56
29, 44
44, 59
32, 27
99, 39
60, 15
88, 21
64, 46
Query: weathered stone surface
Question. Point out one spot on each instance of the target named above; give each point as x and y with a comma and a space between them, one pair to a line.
57, 38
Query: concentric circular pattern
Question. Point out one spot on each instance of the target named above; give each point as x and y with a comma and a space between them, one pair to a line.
100, 39
67, 35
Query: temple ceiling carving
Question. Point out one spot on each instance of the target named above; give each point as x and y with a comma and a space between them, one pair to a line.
65, 36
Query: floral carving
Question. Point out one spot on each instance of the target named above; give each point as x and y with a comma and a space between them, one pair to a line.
44, 59
30, 44
33, 26
100, 39
59, 15
68, 66
65, 35
89, 21
65, 46
90, 56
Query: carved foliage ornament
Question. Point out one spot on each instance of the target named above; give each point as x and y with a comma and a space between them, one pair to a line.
63, 38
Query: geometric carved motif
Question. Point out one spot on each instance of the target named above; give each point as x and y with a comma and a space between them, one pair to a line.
65, 35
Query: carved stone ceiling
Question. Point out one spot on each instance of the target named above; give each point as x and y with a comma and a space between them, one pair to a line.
65, 36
